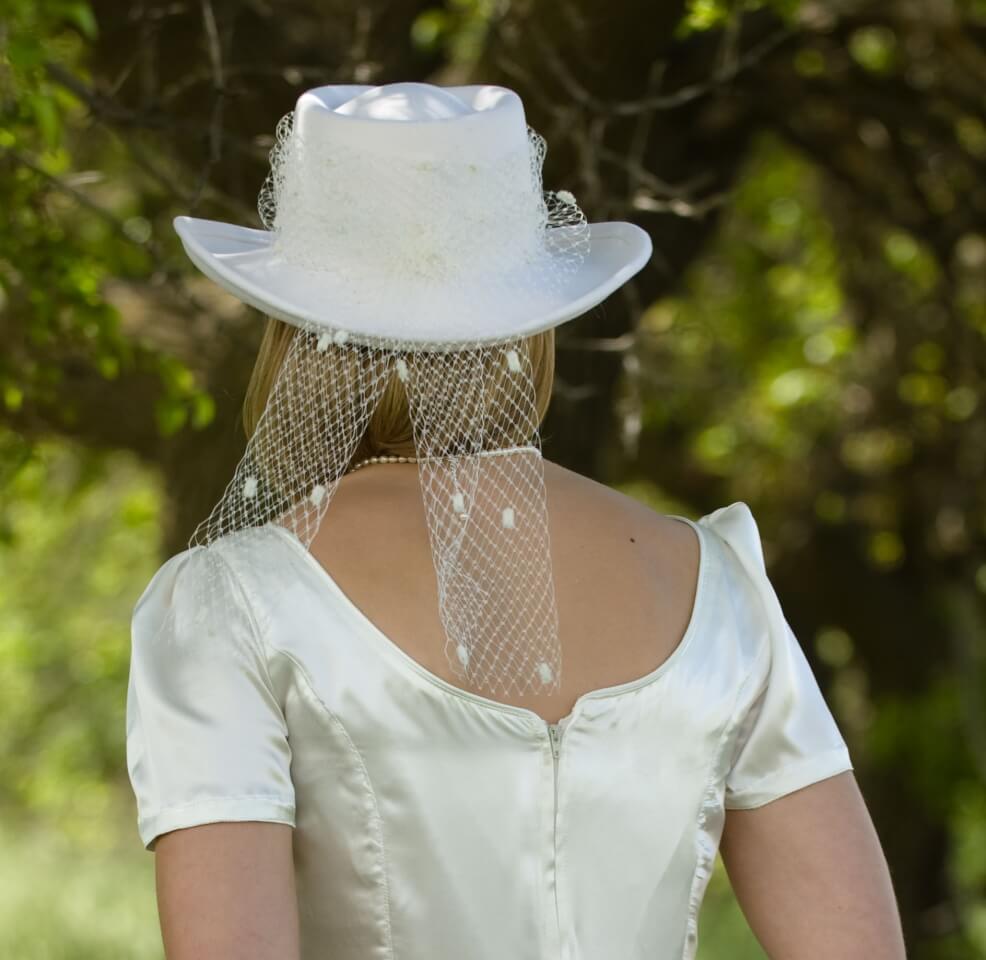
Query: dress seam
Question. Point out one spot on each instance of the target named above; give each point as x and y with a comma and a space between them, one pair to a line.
377, 822
219, 798
271, 649
259, 631
705, 851
812, 763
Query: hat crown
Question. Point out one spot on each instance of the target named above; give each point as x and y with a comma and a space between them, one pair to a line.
424, 184
404, 101
420, 118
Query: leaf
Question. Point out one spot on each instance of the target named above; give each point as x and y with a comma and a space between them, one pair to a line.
171, 415
429, 29
203, 410
82, 16
47, 118
23, 52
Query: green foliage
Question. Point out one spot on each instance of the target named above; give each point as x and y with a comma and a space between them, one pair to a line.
60, 902
458, 28
969, 811
874, 48
711, 14
926, 726
54, 255
68, 233
183, 403
764, 317
80, 542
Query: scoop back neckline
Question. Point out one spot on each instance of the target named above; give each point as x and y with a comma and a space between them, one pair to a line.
403, 658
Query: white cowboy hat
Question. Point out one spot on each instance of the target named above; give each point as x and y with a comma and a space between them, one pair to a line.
414, 215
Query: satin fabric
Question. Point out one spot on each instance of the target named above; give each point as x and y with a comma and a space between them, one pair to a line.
431, 823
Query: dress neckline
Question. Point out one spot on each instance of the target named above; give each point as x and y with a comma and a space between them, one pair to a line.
393, 649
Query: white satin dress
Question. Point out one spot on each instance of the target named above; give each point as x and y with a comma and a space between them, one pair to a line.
431, 823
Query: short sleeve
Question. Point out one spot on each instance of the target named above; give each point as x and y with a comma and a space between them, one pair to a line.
787, 737
205, 734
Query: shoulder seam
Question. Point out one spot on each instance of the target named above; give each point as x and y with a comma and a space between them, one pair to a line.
266, 650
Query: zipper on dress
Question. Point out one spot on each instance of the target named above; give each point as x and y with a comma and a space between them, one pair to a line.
554, 738
554, 735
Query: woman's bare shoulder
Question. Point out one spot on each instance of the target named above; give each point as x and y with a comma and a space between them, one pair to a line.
608, 513
623, 571
647, 562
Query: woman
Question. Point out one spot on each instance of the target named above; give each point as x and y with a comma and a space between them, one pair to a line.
351, 729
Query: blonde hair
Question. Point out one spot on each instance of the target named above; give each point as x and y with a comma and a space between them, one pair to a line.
389, 429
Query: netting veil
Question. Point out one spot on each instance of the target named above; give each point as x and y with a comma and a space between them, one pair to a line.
456, 235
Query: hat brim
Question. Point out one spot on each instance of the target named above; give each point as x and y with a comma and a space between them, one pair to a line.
244, 262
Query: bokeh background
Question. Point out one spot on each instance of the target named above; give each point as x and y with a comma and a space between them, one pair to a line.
809, 338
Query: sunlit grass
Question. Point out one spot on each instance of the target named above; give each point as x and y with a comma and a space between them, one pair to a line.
723, 933
62, 901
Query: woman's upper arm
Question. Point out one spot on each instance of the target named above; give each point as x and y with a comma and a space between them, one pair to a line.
798, 843
209, 758
810, 875
226, 891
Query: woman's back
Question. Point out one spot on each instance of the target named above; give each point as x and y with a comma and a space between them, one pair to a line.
624, 576
430, 822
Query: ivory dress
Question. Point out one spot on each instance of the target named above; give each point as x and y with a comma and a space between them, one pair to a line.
431, 823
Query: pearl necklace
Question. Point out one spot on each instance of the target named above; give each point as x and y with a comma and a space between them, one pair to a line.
381, 459
390, 458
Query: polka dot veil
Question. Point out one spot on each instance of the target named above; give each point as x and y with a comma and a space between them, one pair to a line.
475, 427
